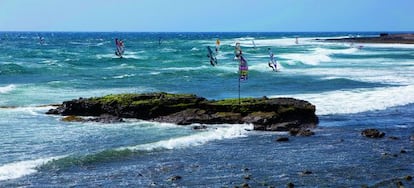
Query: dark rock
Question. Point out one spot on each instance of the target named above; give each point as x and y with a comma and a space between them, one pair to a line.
306, 172
389, 154
300, 132
400, 184
105, 118
282, 139
275, 114
153, 184
403, 151
290, 185
408, 178
393, 138
199, 127
247, 177
245, 185
407, 38
174, 178
372, 133
72, 119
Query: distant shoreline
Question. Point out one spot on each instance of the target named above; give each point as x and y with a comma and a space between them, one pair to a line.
382, 38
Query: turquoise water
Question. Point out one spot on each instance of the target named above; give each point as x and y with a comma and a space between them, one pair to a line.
352, 89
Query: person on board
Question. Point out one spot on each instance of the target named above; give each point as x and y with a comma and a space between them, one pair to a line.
272, 63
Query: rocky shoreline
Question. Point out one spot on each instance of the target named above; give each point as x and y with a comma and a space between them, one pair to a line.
275, 114
382, 38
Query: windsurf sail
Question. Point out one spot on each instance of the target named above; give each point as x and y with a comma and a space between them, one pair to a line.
211, 56
243, 68
119, 48
254, 44
217, 45
41, 40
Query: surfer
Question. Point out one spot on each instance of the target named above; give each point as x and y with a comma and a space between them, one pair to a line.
217, 45
296, 40
272, 63
213, 59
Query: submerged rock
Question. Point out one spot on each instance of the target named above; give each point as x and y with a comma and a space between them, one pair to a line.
199, 127
282, 139
276, 114
72, 118
372, 133
301, 132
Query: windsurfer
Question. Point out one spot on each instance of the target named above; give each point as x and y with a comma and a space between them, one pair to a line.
119, 47
272, 63
210, 55
237, 50
217, 45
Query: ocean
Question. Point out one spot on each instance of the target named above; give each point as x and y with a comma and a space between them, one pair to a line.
353, 87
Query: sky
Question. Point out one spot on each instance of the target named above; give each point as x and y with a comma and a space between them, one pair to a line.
207, 15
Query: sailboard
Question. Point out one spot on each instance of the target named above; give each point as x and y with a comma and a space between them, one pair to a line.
274, 65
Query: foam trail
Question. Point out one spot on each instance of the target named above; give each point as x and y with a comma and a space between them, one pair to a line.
7, 89
22, 168
317, 56
309, 59
360, 100
219, 133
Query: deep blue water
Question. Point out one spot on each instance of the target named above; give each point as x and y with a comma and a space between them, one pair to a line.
352, 89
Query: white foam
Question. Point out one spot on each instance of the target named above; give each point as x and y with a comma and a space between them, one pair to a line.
132, 56
405, 46
30, 110
264, 66
7, 89
22, 168
316, 55
168, 50
185, 68
124, 76
359, 100
335, 51
216, 133
309, 59
122, 66
102, 56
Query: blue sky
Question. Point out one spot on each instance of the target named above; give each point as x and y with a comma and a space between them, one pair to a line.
207, 16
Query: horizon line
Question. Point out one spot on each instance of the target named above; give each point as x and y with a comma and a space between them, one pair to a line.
57, 31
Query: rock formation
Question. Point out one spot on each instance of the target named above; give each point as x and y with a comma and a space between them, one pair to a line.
276, 114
